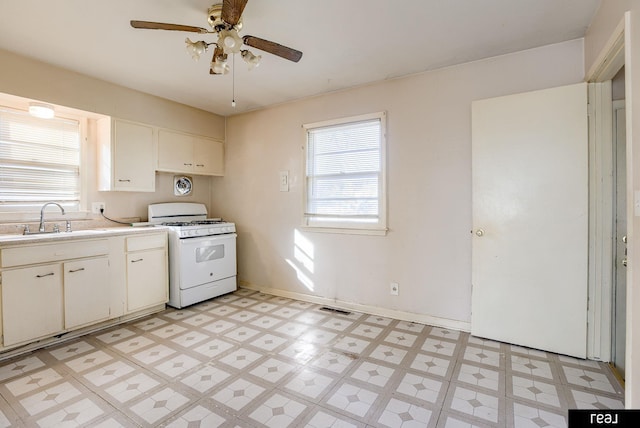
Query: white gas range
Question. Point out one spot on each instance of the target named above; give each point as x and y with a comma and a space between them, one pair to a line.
202, 252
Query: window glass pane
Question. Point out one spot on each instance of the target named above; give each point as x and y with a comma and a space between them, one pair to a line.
39, 160
344, 172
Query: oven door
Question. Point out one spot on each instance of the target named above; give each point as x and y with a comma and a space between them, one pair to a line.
206, 259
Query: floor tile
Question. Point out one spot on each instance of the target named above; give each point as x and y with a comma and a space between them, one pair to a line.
32, 381
198, 416
205, 378
160, 404
423, 388
250, 360
309, 384
352, 399
399, 413
75, 414
278, 411
238, 394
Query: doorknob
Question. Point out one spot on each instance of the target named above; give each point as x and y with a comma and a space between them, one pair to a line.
624, 262
480, 232
624, 239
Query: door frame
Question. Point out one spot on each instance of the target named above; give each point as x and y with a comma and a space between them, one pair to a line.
618, 51
601, 210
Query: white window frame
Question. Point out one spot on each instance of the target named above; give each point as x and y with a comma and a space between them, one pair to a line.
8, 213
343, 225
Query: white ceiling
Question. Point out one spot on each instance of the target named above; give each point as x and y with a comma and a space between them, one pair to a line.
345, 42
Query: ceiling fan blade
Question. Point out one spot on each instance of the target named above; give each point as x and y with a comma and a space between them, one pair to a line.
232, 10
162, 26
216, 53
272, 48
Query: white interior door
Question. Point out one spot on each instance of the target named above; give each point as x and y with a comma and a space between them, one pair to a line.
530, 219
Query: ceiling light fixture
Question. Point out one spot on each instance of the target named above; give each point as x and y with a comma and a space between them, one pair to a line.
252, 60
41, 110
196, 48
219, 65
229, 42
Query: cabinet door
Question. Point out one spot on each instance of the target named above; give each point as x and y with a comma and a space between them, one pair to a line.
175, 152
134, 165
31, 303
86, 291
209, 156
147, 280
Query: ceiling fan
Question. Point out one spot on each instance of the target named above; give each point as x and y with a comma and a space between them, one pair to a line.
225, 20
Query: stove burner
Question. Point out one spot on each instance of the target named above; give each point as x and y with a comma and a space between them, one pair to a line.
191, 223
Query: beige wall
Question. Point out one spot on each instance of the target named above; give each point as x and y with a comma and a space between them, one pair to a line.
428, 247
28, 78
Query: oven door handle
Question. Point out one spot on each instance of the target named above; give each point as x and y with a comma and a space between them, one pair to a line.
223, 237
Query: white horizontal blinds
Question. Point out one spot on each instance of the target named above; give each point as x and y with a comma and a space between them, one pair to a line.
344, 172
39, 161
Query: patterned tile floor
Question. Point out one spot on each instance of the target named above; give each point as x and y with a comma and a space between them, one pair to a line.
253, 360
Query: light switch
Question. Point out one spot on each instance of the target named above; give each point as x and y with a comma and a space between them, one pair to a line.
284, 181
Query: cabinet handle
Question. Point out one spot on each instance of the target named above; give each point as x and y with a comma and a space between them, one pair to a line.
200, 164
136, 260
124, 181
76, 270
188, 164
46, 274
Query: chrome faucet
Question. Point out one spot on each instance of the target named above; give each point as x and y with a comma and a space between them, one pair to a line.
41, 228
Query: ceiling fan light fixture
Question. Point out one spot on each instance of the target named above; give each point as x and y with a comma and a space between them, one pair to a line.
196, 48
41, 110
219, 65
229, 41
252, 60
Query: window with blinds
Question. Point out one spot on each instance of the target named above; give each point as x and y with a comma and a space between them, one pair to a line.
39, 161
345, 174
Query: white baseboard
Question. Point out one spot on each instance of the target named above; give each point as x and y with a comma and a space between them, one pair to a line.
372, 310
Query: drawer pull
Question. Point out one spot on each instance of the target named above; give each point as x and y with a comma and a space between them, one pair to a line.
188, 164
124, 181
136, 260
75, 270
200, 164
46, 274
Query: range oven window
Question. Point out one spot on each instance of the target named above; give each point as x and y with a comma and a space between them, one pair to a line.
209, 253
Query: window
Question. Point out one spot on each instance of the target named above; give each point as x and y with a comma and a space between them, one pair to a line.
39, 161
345, 185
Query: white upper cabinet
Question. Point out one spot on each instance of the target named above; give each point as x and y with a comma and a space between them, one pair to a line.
186, 153
126, 156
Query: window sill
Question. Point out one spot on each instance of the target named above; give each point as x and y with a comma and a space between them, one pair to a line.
345, 230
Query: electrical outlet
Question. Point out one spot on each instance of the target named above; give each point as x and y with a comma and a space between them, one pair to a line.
394, 289
97, 206
284, 181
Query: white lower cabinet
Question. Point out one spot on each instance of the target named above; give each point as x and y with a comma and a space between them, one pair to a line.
147, 271
57, 287
31, 303
86, 291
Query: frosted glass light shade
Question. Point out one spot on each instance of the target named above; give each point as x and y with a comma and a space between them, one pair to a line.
41, 110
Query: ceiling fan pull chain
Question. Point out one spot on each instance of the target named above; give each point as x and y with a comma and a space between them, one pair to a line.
233, 82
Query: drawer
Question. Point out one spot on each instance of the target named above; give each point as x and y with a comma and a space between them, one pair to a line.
43, 253
145, 242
